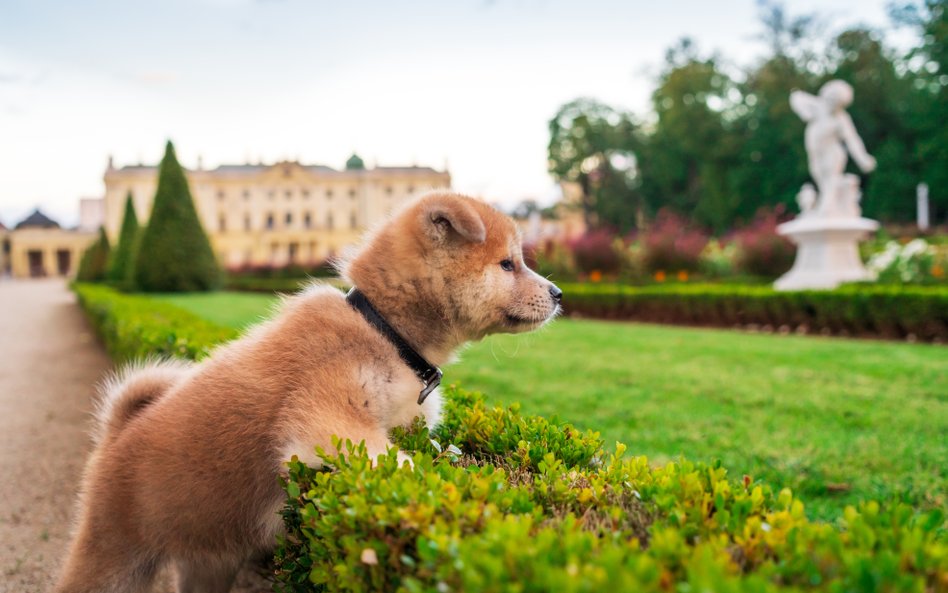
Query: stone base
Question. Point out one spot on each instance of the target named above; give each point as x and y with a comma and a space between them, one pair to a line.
827, 252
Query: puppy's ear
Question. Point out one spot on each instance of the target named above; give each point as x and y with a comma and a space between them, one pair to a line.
448, 216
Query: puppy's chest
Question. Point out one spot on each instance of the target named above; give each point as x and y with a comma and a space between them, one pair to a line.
389, 391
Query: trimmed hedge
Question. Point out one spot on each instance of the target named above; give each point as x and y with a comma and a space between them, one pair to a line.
870, 310
501, 501
520, 503
135, 327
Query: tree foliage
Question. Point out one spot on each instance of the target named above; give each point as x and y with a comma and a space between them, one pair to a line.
175, 254
121, 264
593, 145
93, 266
723, 142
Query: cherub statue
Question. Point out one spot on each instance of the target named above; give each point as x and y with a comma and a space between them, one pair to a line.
829, 133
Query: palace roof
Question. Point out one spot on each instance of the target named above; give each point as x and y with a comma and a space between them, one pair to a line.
37, 220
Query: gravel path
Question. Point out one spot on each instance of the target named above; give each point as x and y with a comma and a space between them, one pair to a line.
49, 364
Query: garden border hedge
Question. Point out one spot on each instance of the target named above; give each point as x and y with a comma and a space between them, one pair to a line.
874, 311
501, 501
868, 311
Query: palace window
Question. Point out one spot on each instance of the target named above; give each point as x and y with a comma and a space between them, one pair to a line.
271, 194
221, 195
329, 221
294, 249
410, 189
246, 194
388, 190
288, 193
352, 193
246, 222
328, 194
289, 218
353, 220
222, 224
305, 193
307, 220
269, 222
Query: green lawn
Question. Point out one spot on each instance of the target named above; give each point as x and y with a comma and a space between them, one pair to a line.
836, 420
231, 309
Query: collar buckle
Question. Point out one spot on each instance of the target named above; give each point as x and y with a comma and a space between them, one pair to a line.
431, 378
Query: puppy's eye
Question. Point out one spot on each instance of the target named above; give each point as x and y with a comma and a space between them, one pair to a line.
507, 265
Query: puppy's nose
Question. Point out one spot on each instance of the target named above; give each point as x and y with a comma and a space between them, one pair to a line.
556, 293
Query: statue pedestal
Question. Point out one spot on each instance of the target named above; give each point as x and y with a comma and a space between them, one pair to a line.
827, 252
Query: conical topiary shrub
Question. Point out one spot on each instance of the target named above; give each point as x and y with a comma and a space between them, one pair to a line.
174, 254
95, 260
121, 264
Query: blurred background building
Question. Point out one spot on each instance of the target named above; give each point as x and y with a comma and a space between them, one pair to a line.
272, 215
38, 247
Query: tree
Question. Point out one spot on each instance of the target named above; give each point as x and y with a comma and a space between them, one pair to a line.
593, 145
94, 263
928, 69
121, 264
174, 254
685, 161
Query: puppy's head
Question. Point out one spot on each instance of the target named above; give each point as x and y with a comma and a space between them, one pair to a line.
458, 260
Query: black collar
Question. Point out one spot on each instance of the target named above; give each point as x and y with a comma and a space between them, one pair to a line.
427, 373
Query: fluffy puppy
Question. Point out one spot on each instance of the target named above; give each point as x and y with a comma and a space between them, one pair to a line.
186, 465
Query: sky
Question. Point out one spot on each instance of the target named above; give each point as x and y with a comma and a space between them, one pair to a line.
470, 84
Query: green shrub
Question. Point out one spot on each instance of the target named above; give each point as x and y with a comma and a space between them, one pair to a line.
121, 264
134, 327
94, 263
501, 501
874, 311
505, 502
174, 254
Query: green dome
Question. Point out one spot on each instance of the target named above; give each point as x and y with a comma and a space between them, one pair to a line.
354, 163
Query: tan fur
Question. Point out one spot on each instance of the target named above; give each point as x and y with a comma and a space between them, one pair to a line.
186, 468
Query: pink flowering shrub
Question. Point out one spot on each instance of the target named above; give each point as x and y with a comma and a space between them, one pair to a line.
595, 251
761, 251
671, 245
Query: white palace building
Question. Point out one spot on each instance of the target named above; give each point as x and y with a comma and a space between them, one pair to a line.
271, 215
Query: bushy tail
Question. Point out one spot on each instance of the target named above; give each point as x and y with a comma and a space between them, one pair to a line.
128, 391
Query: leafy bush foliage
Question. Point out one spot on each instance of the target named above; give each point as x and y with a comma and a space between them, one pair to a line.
499, 501
761, 251
878, 311
94, 263
912, 263
671, 245
135, 327
595, 251
175, 254
718, 259
121, 270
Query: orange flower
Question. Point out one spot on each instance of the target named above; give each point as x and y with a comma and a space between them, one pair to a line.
660, 276
938, 271
683, 275
595, 276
